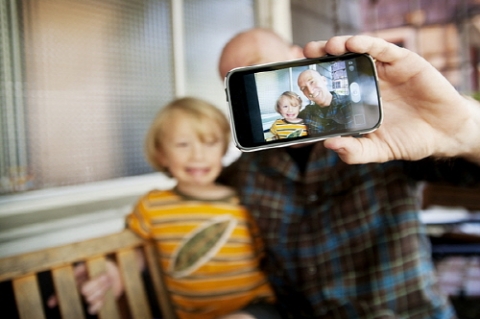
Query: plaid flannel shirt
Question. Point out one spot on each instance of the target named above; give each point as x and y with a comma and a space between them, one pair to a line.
344, 241
333, 118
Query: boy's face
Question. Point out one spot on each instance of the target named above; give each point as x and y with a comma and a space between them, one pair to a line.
192, 161
288, 108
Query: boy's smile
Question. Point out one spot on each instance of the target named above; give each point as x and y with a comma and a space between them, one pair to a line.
290, 116
197, 171
288, 110
193, 157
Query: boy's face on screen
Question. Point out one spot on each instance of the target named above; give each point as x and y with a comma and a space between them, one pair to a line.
192, 158
288, 108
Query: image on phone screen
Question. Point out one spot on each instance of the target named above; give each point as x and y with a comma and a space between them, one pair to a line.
312, 100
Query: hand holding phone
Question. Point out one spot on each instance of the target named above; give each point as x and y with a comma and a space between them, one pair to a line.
280, 104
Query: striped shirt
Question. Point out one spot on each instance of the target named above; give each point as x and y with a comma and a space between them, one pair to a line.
345, 241
210, 252
283, 129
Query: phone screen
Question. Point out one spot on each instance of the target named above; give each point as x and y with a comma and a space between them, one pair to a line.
280, 104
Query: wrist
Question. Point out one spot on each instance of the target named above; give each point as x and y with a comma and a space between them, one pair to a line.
468, 140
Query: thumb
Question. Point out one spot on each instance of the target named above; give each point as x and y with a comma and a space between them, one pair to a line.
354, 150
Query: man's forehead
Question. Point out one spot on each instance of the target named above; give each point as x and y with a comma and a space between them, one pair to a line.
251, 57
307, 76
238, 55
252, 48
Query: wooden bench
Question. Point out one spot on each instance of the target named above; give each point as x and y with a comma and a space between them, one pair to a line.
22, 271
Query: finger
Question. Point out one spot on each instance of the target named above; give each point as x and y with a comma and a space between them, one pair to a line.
80, 270
81, 274
355, 150
315, 49
95, 283
338, 45
342, 147
394, 64
334, 46
378, 48
52, 301
98, 297
96, 289
94, 308
114, 277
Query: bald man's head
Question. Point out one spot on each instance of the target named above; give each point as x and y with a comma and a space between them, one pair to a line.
314, 87
256, 46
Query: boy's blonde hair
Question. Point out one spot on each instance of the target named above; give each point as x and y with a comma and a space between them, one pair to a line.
199, 112
292, 96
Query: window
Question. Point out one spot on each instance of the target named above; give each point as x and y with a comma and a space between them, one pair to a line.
80, 82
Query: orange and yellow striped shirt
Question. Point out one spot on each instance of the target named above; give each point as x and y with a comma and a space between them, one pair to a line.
210, 252
282, 129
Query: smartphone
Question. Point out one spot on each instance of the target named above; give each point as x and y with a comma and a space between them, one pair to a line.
301, 101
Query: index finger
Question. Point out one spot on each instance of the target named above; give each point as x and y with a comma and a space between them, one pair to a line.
376, 47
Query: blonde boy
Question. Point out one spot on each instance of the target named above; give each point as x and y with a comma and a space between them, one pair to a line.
208, 245
290, 125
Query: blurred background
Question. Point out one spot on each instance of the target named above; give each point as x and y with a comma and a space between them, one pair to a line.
81, 80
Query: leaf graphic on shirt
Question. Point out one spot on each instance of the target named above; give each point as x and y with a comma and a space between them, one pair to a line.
296, 133
201, 245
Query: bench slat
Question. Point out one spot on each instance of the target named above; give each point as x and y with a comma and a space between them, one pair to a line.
134, 287
96, 266
27, 296
67, 293
158, 282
